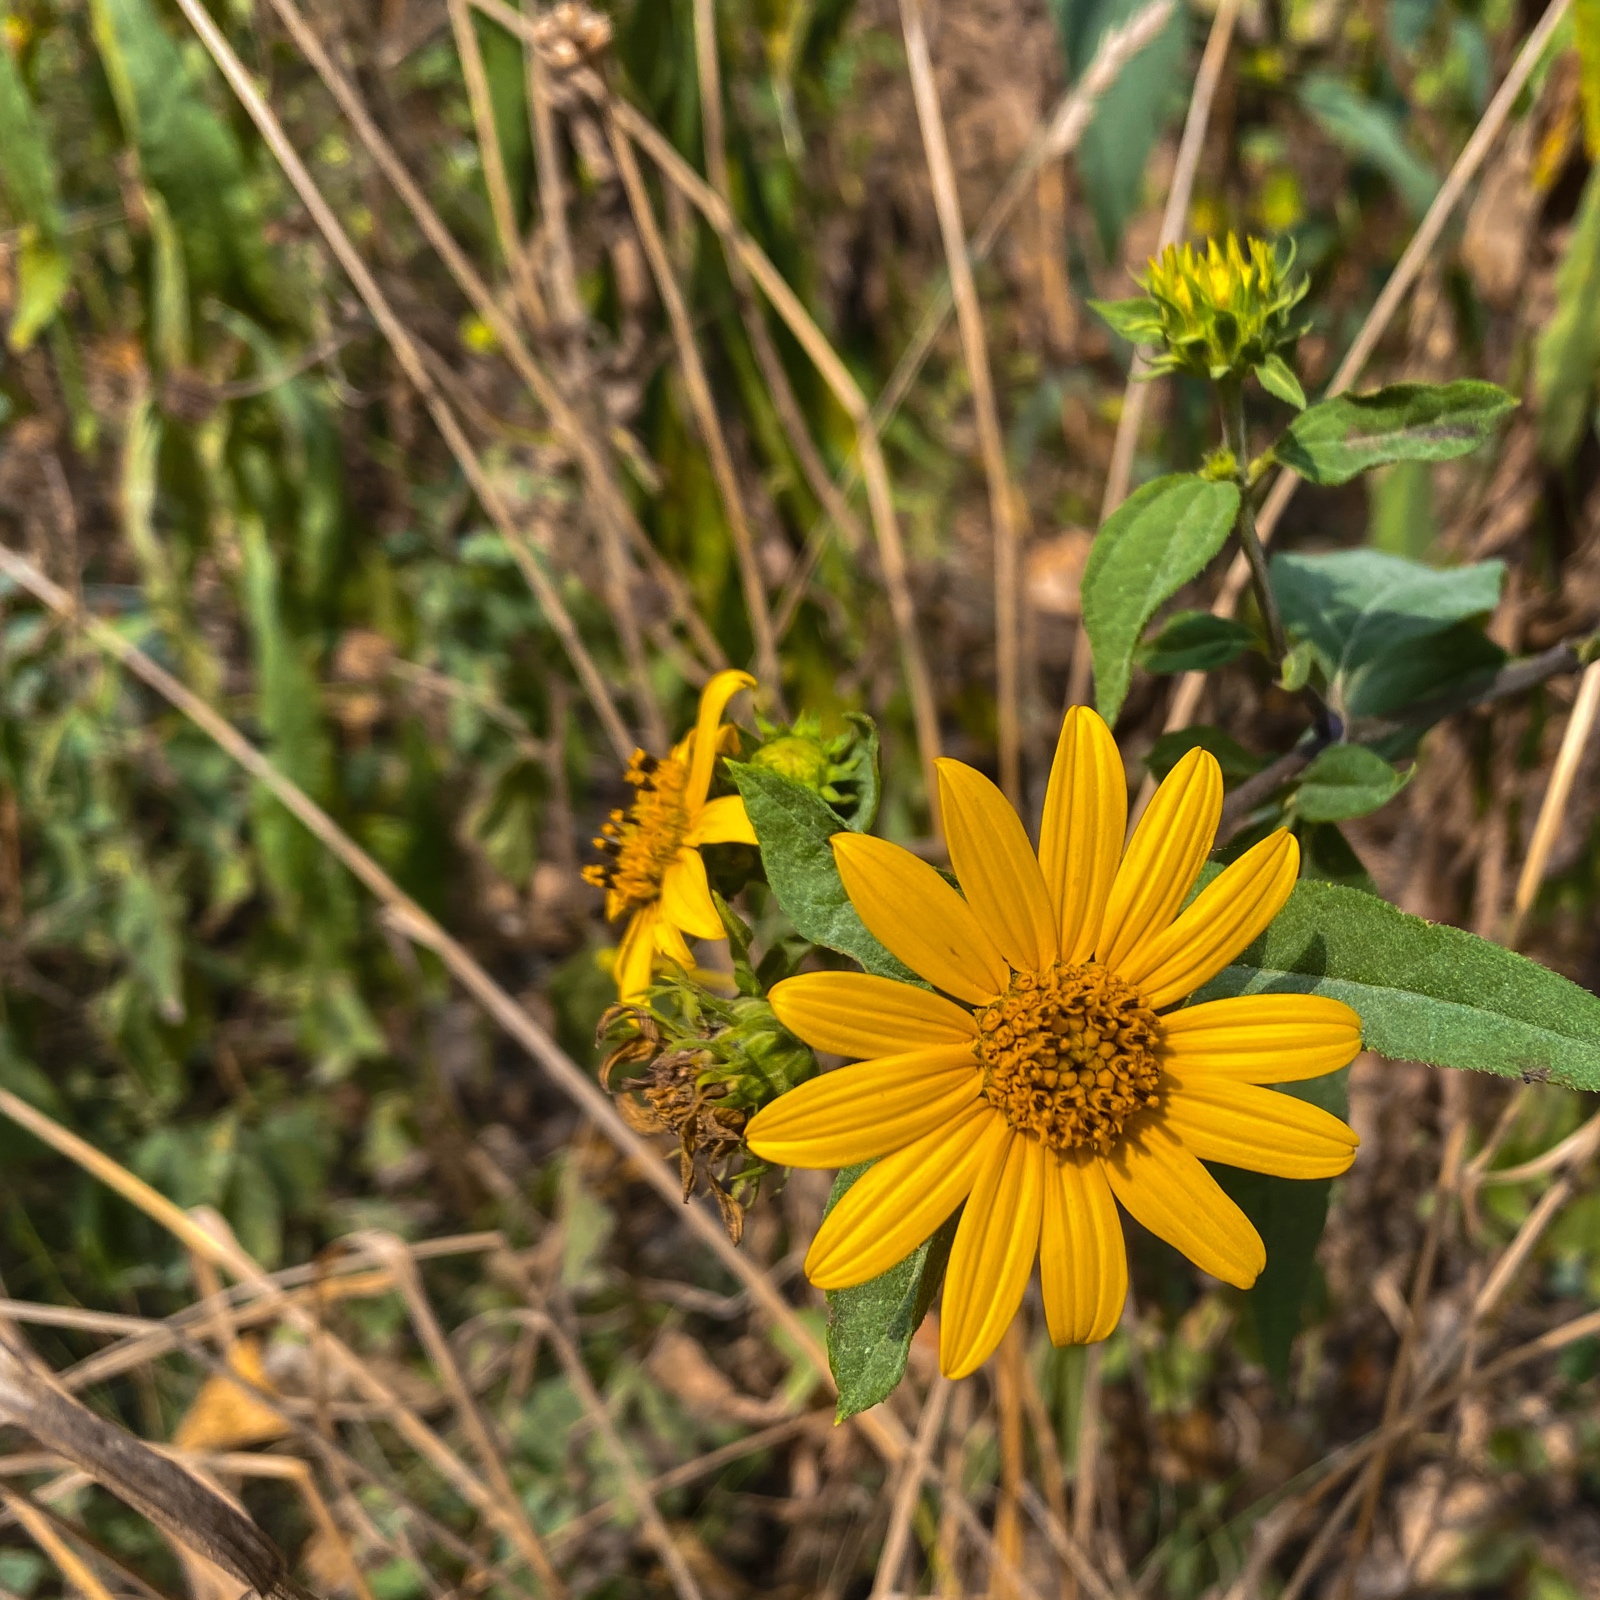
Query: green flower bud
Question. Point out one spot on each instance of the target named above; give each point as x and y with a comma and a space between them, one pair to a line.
797, 756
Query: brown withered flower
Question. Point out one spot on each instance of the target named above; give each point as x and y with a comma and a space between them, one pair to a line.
708, 1065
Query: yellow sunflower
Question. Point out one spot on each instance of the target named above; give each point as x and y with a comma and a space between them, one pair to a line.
652, 872
1055, 1079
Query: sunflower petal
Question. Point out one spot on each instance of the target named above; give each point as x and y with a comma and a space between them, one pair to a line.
868, 1110
672, 944
902, 1200
1083, 1262
1222, 919
915, 914
996, 1242
1085, 819
636, 954
714, 700
1164, 1186
860, 1015
723, 821
1261, 1038
686, 898
1163, 858
1257, 1129
996, 867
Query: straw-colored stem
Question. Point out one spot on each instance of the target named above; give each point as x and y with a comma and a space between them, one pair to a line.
703, 407
1004, 519
412, 363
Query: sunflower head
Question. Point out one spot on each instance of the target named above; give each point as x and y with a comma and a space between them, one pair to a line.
1069, 1054
1216, 313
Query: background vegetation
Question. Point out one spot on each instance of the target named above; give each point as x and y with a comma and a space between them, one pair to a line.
230, 453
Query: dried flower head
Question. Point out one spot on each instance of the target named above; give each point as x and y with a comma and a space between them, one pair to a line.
704, 1066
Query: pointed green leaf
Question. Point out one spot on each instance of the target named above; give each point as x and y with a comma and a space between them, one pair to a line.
870, 1327
1135, 320
1159, 538
794, 824
1276, 376
1194, 641
1337, 439
1424, 992
1568, 352
1344, 781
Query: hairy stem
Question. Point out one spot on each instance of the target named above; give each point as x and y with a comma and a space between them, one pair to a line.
1230, 393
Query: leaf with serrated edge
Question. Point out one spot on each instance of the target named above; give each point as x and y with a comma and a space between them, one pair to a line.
1337, 439
1424, 992
793, 825
1159, 538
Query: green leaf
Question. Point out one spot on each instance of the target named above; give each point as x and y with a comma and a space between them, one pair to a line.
1326, 855
1369, 132
870, 1327
1586, 35
1568, 351
1344, 781
1276, 376
1294, 672
28, 171
1363, 612
1460, 657
1236, 762
1289, 1214
794, 825
1194, 641
43, 277
1137, 320
1132, 113
1159, 538
1424, 992
1351, 433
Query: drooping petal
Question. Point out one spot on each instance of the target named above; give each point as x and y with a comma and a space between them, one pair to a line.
1261, 1038
686, 898
916, 915
636, 954
1085, 819
1083, 1261
896, 1204
714, 700
1164, 1186
996, 867
1163, 858
871, 1109
1257, 1129
672, 944
995, 1244
1222, 919
860, 1015
721, 821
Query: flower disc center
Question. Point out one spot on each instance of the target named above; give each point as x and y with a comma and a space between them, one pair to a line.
639, 844
1069, 1054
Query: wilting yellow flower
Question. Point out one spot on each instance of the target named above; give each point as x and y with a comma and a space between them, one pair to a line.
652, 872
1055, 1077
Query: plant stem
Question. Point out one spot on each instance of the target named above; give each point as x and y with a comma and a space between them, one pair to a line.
1230, 394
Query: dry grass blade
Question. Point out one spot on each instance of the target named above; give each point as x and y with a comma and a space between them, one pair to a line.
1553, 808
1186, 698
908, 1489
501, 205
704, 408
586, 447
394, 1254
1003, 513
76, 1573
162, 1492
415, 367
1054, 140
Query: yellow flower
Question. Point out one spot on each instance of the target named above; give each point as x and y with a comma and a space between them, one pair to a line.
1055, 1077
652, 872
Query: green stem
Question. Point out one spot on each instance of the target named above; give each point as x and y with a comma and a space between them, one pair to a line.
1236, 437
